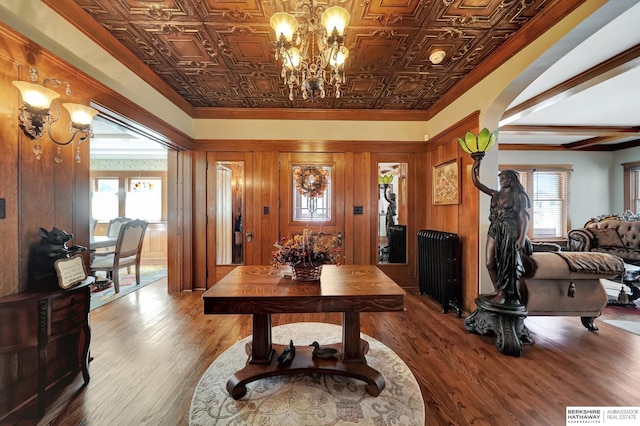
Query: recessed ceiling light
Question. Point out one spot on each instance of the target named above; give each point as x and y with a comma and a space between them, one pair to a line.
437, 56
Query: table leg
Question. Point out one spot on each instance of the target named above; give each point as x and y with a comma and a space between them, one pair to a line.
261, 350
352, 350
262, 364
260, 353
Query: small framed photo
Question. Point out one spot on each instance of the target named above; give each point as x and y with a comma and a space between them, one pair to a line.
446, 183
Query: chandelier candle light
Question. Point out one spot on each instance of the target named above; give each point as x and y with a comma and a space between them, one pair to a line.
317, 55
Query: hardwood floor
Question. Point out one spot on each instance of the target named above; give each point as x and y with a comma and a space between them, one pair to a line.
150, 349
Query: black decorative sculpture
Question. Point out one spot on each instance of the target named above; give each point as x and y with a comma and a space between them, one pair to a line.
502, 312
391, 210
53, 246
287, 354
323, 352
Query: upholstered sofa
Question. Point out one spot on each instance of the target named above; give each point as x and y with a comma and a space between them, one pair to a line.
614, 236
568, 284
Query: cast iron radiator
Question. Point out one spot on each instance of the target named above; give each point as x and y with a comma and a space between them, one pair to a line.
439, 268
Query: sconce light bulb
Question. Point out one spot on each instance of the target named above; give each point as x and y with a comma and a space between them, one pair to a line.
37, 97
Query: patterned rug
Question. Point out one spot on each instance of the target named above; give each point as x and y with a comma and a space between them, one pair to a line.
308, 399
105, 294
625, 317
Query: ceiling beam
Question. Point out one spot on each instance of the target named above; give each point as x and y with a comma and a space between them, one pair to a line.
527, 129
591, 141
608, 69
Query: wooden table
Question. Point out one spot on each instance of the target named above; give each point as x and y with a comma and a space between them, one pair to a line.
102, 241
349, 289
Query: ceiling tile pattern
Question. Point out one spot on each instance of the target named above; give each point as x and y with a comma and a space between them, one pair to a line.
221, 53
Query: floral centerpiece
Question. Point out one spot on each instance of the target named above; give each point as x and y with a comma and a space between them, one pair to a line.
307, 253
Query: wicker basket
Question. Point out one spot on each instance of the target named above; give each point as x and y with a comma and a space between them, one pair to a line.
307, 273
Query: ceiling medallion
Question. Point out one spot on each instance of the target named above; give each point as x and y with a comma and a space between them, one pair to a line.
317, 55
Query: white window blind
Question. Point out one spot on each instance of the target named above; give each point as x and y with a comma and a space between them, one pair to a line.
548, 190
632, 187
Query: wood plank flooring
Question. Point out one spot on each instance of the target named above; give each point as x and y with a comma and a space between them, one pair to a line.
150, 348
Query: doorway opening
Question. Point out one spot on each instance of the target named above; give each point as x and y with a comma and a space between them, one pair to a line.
392, 212
128, 175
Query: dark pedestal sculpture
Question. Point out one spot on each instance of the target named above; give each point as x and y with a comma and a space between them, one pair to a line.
503, 318
501, 313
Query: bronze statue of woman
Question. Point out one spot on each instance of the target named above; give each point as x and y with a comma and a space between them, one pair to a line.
391, 211
507, 236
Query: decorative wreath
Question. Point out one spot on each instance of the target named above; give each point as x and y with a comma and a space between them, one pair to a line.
310, 181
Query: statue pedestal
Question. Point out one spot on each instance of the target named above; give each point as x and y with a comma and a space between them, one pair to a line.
504, 318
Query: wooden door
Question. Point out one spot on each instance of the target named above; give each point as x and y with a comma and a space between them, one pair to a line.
230, 221
297, 212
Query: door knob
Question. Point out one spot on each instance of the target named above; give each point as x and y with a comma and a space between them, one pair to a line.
339, 239
249, 236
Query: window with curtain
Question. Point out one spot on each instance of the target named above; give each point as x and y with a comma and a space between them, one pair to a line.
548, 190
632, 186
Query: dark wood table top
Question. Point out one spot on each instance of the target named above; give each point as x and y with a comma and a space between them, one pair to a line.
344, 288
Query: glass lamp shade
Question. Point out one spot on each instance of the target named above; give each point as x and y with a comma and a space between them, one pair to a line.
37, 97
385, 179
291, 58
284, 24
337, 58
335, 17
472, 144
81, 115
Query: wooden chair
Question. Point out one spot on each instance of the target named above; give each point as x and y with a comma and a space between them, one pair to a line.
114, 226
126, 253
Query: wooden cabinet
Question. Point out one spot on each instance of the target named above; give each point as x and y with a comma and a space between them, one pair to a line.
44, 339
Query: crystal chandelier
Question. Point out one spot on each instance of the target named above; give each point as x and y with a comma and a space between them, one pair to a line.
317, 55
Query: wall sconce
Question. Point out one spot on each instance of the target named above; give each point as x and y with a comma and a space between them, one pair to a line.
36, 117
477, 145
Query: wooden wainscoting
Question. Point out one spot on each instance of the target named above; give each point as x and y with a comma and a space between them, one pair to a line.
154, 246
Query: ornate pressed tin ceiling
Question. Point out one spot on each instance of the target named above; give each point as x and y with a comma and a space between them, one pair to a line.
220, 53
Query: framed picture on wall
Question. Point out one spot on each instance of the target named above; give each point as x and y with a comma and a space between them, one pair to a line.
446, 183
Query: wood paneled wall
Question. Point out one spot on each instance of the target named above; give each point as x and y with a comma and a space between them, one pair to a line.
43, 193
38, 193
360, 180
461, 218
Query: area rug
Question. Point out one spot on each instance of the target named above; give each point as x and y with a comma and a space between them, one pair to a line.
308, 399
625, 317
148, 275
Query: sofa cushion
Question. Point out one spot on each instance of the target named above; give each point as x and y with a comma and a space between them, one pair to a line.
607, 237
628, 230
628, 255
552, 265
